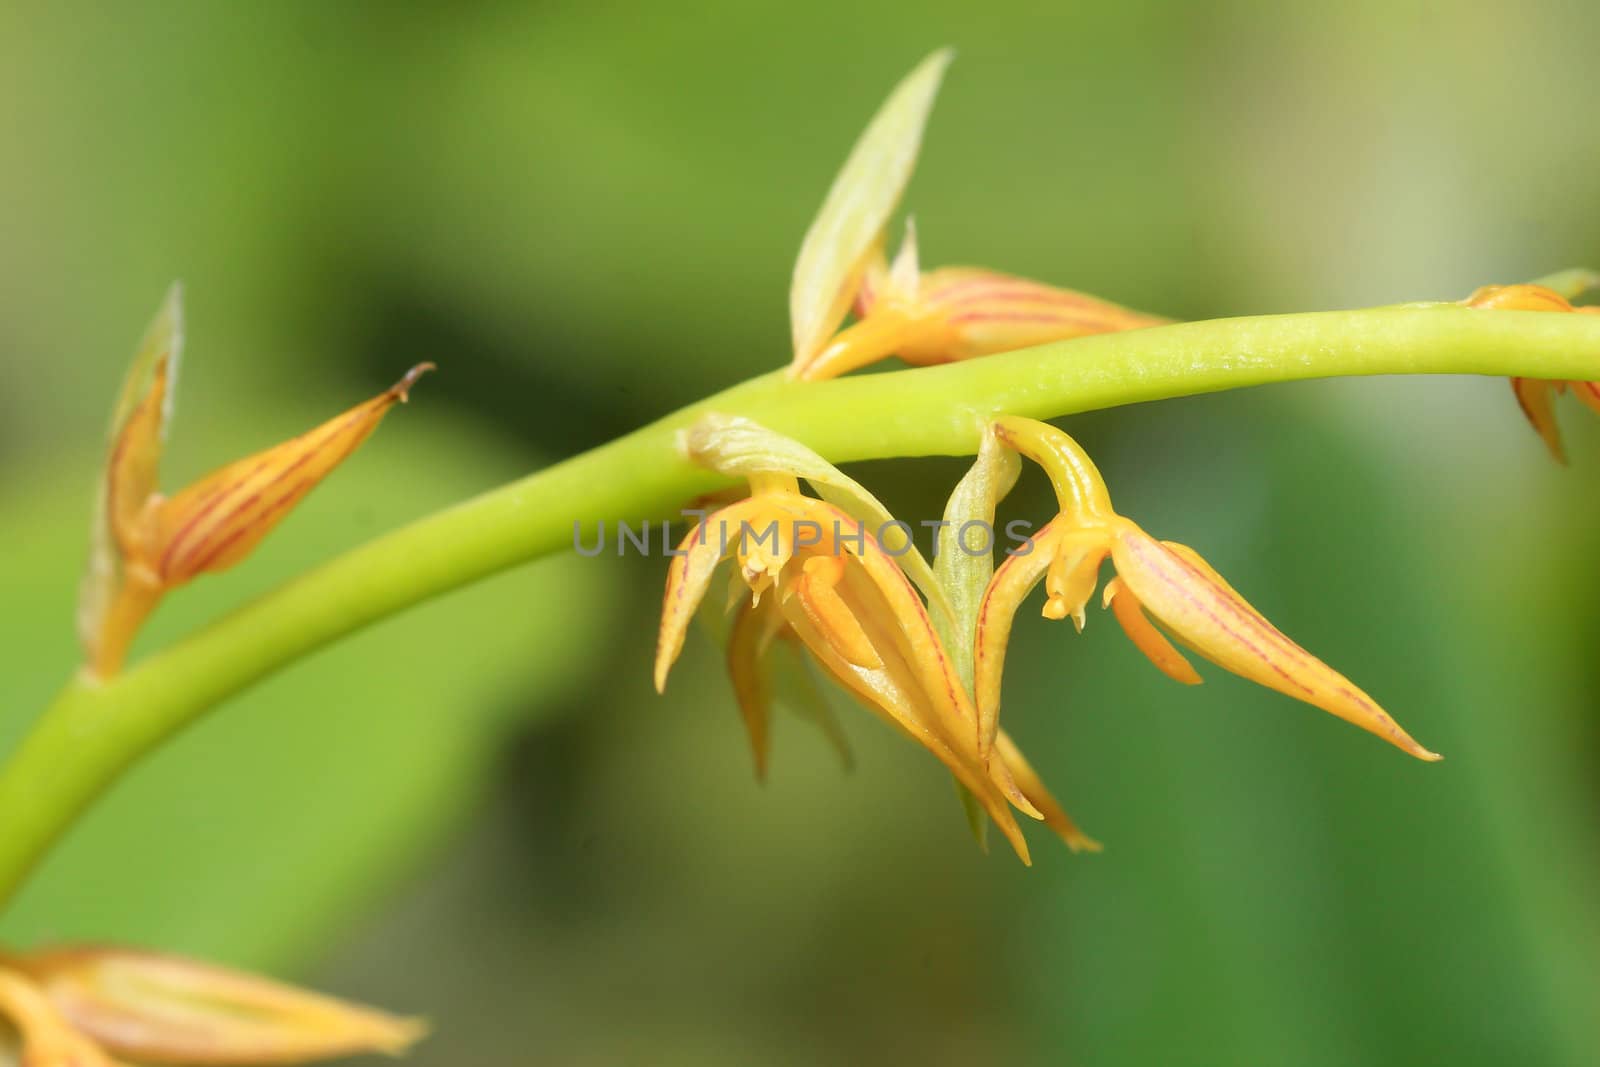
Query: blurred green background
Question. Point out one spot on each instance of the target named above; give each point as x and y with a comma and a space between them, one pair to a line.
586, 213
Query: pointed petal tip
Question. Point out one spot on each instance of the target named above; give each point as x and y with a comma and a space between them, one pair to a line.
663, 668
933, 65
401, 1034
936, 63
1013, 834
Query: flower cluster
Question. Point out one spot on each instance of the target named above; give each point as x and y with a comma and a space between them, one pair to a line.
850, 603
931, 665
923, 646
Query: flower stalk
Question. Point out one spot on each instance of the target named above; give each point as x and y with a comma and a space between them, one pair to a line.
95, 730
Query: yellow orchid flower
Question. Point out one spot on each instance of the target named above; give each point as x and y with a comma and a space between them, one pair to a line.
834, 575
88, 1007
1159, 579
144, 543
945, 315
1534, 395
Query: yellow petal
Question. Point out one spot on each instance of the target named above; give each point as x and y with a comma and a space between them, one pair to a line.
818, 594
1000, 775
959, 313
893, 694
885, 603
47, 1039
986, 312
916, 687
217, 521
1192, 600
1028, 779
1144, 635
889, 329
1013, 580
850, 224
1517, 298
688, 577
1589, 393
1537, 400
151, 1007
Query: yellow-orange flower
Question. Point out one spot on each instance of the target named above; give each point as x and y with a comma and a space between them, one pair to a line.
1537, 396
144, 543
957, 313
830, 572
949, 314
90, 1007
1159, 579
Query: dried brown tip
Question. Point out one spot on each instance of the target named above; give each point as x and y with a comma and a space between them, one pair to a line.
401, 390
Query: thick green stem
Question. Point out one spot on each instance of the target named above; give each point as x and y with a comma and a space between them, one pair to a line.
94, 731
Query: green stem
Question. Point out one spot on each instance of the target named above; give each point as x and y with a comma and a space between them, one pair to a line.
95, 731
